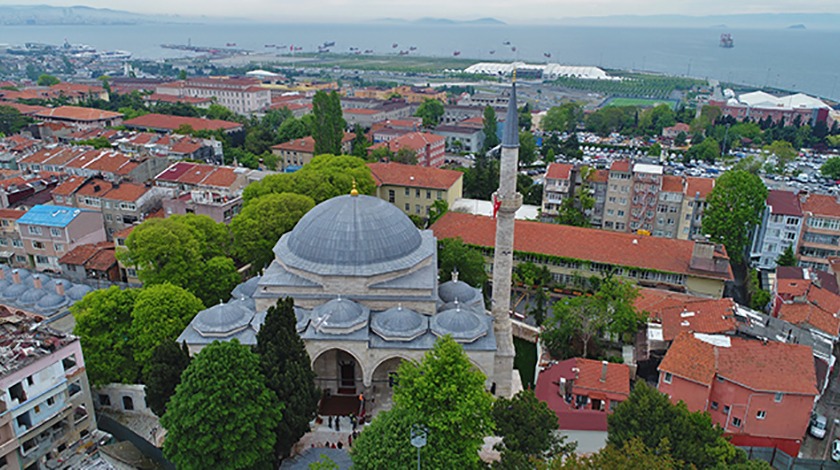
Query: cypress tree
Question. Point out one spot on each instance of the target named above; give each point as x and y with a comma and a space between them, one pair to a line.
163, 374
328, 125
287, 369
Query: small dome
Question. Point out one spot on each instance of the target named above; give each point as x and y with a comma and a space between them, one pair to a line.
464, 326
14, 291
31, 296
4, 283
223, 319
51, 302
399, 324
77, 291
245, 289
339, 316
451, 290
302, 316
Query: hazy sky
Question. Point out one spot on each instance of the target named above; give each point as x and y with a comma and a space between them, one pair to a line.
506, 10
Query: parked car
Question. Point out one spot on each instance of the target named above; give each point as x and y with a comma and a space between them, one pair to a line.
835, 450
819, 423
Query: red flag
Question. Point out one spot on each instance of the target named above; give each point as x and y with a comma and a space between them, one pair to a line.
496, 204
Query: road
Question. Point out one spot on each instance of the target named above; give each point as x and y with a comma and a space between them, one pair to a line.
828, 405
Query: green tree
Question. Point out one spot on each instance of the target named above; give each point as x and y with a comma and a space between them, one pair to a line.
563, 118
491, 137
360, 142
575, 214
324, 463
436, 211
579, 317
708, 151
222, 414
571, 147
633, 455
161, 312
734, 208
527, 148
528, 428
405, 155
11, 121
446, 394
829, 169
525, 119
784, 152
680, 139
454, 254
751, 164
217, 111
47, 80
328, 125
431, 111
103, 325
759, 298
787, 258
261, 223
215, 278
163, 373
653, 120
96, 142
655, 150
648, 415
292, 129
285, 364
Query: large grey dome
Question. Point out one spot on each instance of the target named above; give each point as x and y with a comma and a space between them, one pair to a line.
353, 231
399, 324
463, 325
223, 319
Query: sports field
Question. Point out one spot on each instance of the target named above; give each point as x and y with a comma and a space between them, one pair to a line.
640, 102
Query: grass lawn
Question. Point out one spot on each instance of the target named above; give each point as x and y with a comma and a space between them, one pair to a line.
525, 360
640, 102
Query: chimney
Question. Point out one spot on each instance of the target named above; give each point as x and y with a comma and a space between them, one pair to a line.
702, 256
36, 282
16, 276
604, 371
59, 287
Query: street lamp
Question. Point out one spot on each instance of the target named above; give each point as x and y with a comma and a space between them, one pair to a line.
419, 434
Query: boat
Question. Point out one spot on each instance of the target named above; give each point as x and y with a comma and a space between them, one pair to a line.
368, 51
403, 52
513, 49
269, 45
230, 44
456, 53
726, 41
329, 44
412, 48
492, 52
547, 55
114, 55
394, 45
506, 43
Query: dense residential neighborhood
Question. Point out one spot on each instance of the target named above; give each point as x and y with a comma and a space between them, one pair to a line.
303, 260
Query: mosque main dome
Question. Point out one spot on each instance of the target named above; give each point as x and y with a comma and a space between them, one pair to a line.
353, 234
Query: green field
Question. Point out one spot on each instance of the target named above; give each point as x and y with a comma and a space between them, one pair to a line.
639, 102
393, 63
525, 361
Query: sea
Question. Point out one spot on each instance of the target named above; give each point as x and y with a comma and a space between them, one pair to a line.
791, 59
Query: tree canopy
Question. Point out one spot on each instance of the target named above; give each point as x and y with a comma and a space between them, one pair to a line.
47, 80
285, 364
784, 152
491, 136
648, 415
787, 258
103, 323
11, 121
528, 428
563, 118
328, 125
527, 148
829, 169
261, 223
445, 394
163, 373
431, 111
222, 414
632, 455
708, 151
733, 208
455, 255
160, 313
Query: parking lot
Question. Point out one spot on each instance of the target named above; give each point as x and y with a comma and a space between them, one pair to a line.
828, 405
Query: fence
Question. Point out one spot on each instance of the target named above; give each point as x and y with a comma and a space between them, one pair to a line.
780, 460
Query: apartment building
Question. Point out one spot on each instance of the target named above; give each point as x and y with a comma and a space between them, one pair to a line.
414, 189
11, 245
597, 180
619, 186
781, 224
461, 138
558, 186
697, 190
48, 232
668, 207
820, 236
430, 148
760, 392
646, 181
193, 188
574, 254
240, 95
80, 118
45, 400
296, 153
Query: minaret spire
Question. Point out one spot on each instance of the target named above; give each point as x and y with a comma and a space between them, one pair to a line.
509, 201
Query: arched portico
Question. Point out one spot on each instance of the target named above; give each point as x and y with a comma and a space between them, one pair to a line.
338, 372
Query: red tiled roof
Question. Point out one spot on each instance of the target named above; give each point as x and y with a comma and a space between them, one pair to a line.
103, 260
76, 113
619, 249
792, 287
784, 203
78, 255
69, 186
398, 174
199, 174
126, 192
672, 184
222, 177
304, 145
367, 111
821, 204
25, 109
620, 165
11, 214
416, 141
679, 127
559, 171
160, 97
124, 233
599, 176
653, 300
171, 123
769, 366
702, 316
95, 187
697, 184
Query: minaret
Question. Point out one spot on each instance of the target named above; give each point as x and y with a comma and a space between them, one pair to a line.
508, 202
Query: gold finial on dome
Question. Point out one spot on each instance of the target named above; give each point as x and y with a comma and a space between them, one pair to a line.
354, 192
513, 78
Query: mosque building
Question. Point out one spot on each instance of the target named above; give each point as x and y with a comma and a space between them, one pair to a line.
365, 285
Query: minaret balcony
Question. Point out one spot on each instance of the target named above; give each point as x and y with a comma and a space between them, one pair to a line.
510, 203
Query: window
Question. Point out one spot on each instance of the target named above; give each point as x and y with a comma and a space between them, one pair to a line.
59, 199
33, 230
719, 378
761, 414
778, 397
50, 401
69, 362
407, 192
17, 242
726, 409
417, 208
104, 400
55, 232
428, 194
621, 213
407, 207
37, 245
417, 193
736, 422
714, 405
110, 218
40, 259
4, 242
668, 377
59, 246
391, 196
439, 195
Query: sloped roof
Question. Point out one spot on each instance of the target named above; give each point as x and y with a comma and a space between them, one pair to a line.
171, 123
398, 174
821, 204
559, 171
784, 203
77, 113
697, 184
